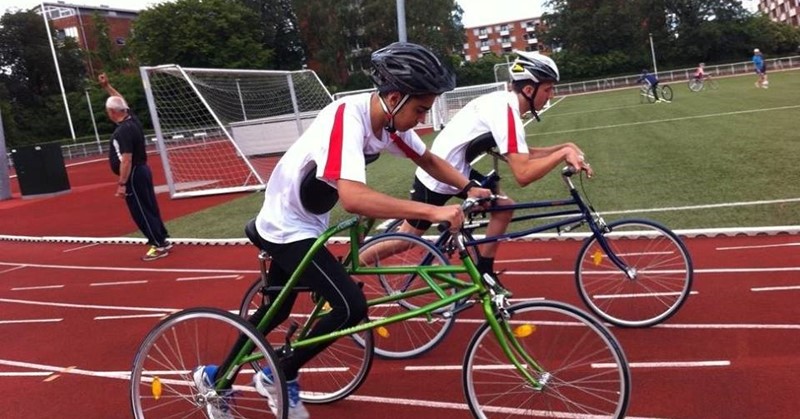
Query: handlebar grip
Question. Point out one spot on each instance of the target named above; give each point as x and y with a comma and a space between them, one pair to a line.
568, 171
443, 226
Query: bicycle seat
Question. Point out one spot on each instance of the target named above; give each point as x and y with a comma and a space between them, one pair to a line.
252, 234
317, 196
479, 145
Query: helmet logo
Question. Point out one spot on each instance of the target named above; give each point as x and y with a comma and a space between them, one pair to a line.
517, 68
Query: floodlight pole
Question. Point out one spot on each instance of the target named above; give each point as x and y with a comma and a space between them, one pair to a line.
94, 124
653, 52
401, 21
58, 71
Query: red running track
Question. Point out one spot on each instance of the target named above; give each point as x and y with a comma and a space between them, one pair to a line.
738, 337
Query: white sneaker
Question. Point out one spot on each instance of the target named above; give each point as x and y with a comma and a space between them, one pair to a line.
263, 383
216, 407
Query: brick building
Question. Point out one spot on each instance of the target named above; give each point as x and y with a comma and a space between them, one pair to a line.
77, 21
785, 11
502, 37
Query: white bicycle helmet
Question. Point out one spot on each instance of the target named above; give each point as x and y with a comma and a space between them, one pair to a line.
533, 66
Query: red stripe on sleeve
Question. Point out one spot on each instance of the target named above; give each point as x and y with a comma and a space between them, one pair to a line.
333, 166
405, 148
512, 132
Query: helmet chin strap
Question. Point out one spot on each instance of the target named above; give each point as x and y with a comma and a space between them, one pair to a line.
530, 102
390, 114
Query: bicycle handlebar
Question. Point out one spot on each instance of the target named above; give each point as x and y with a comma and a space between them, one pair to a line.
468, 206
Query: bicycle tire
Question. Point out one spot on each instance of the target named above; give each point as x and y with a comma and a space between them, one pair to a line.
666, 92
162, 377
334, 373
695, 85
412, 337
663, 269
712, 84
583, 370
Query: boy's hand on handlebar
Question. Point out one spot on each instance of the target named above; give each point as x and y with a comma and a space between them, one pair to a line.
452, 214
578, 161
479, 193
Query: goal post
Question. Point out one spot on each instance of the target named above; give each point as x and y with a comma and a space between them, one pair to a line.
223, 130
449, 103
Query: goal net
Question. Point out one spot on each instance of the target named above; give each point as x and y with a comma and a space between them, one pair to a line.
449, 103
221, 131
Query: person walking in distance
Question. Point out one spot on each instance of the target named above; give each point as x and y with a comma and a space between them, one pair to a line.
128, 160
760, 68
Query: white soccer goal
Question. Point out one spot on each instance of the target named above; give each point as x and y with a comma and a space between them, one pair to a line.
221, 131
449, 103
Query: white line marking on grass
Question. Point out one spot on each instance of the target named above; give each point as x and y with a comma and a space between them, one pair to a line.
200, 278
130, 269
30, 321
706, 206
103, 284
760, 246
786, 288
43, 287
658, 121
132, 316
91, 306
80, 247
525, 124
13, 269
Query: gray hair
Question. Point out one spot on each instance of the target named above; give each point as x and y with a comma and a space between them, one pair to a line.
116, 103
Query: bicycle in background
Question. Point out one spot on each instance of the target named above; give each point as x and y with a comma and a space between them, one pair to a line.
646, 92
697, 84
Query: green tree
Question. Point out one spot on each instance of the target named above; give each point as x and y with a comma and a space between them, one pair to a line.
195, 33
280, 29
30, 85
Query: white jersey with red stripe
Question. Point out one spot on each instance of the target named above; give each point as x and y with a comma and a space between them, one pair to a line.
336, 141
496, 113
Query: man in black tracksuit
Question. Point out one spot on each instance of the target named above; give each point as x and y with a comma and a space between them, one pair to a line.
128, 160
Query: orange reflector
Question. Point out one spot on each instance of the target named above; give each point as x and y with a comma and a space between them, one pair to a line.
382, 332
326, 307
524, 330
597, 257
156, 389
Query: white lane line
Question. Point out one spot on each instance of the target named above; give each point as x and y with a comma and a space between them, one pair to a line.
696, 271
760, 246
130, 269
201, 278
13, 269
640, 295
99, 307
132, 316
786, 288
41, 287
524, 260
125, 375
685, 364
24, 374
104, 284
682, 364
80, 247
659, 121
30, 321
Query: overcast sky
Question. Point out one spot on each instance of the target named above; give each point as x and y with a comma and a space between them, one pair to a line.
476, 12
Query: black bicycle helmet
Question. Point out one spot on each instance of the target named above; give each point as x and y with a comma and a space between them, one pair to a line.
411, 69
535, 67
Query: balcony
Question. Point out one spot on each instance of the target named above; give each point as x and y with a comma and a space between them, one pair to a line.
504, 32
506, 44
533, 41
483, 35
484, 48
530, 29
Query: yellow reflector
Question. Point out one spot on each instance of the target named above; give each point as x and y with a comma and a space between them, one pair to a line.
156, 389
326, 306
524, 330
597, 257
382, 332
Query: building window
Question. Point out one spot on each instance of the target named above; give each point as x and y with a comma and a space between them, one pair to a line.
71, 31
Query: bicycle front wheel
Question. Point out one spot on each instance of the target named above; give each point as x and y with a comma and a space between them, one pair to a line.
666, 92
417, 335
712, 84
334, 373
167, 379
581, 371
657, 282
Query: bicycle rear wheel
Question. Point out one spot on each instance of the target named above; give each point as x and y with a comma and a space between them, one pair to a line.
334, 373
582, 368
164, 379
666, 92
661, 269
695, 85
417, 335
